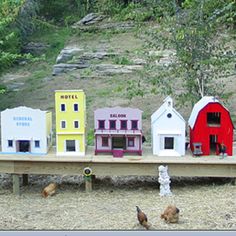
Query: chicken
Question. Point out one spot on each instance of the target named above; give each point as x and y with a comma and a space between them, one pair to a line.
171, 214
142, 218
49, 190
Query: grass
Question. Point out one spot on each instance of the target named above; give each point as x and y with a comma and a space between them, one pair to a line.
123, 60
56, 38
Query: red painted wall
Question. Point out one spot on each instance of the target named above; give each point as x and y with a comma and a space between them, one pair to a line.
201, 131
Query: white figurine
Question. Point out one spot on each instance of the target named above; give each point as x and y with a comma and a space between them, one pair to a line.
164, 181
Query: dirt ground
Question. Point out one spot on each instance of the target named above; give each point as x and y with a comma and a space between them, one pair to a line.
204, 203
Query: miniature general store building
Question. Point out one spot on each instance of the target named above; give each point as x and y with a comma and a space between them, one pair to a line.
168, 131
26, 130
70, 122
118, 130
210, 124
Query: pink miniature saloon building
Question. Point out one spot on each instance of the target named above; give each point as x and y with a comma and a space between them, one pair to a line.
210, 125
118, 130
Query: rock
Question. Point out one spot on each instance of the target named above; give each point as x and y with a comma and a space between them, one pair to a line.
35, 48
67, 54
61, 68
118, 25
110, 69
139, 61
97, 55
46, 79
90, 19
165, 57
106, 26
16, 86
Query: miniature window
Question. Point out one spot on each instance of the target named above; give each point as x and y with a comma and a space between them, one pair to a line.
123, 124
37, 143
76, 107
134, 124
105, 141
76, 124
101, 124
63, 124
70, 145
63, 107
112, 124
169, 143
169, 115
10, 143
131, 142
213, 118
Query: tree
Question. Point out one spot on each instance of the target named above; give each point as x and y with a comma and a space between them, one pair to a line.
9, 39
200, 60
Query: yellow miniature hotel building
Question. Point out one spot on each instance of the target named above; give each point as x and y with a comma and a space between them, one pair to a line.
70, 108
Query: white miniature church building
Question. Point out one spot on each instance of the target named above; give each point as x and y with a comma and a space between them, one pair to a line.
168, 131
26, 130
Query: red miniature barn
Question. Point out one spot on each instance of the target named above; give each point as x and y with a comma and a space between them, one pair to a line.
210, 125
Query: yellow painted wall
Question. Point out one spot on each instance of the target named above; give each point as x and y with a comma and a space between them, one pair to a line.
61, 142
69, 98
69, 115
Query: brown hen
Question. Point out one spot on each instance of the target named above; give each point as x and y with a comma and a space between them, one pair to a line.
171, 214
49, 190
142, 218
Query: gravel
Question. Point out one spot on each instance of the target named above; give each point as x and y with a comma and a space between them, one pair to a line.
204, 203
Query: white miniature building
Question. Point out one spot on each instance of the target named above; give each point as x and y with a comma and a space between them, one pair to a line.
168, 131
26, 130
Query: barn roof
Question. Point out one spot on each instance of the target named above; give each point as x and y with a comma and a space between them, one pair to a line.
199, 106
163, 108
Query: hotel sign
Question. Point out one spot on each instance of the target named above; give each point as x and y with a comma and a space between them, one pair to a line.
74, 96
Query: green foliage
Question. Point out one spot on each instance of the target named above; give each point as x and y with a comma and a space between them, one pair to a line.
134, 89
9, 39
201, 58
135, 12
3, 89
122, 60
56, 37
90, 137
63, 12
16, 17
109, 7
222, 10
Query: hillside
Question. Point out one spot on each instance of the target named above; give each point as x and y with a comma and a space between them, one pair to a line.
108, 61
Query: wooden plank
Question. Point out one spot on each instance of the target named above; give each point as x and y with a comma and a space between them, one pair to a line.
60, 168
6, 166
123, 169
129, 165
16, 184
202, 170
175, 169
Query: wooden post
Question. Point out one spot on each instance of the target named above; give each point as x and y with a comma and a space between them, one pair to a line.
234, 181
88, 184
25, 179
16, 184
88, 179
